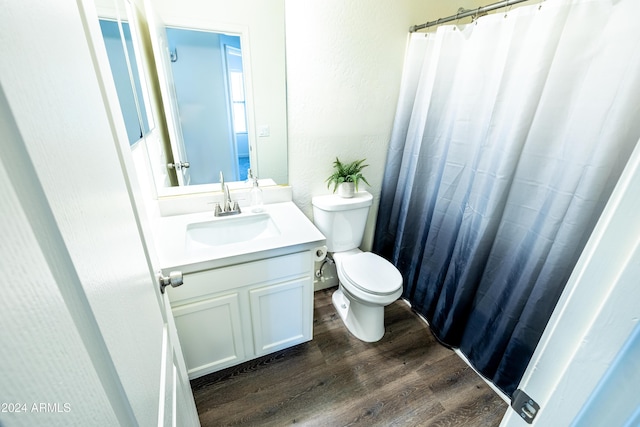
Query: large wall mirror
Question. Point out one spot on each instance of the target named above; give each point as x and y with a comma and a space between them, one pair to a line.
200, 96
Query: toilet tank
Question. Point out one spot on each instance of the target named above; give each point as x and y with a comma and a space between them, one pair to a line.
342, 220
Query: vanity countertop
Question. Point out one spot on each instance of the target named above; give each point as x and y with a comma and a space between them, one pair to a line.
295, 232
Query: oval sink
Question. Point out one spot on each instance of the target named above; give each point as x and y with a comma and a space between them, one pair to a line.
225, 231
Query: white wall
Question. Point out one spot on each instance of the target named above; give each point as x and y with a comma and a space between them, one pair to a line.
344, 64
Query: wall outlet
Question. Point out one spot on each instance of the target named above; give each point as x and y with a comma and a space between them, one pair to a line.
264, 130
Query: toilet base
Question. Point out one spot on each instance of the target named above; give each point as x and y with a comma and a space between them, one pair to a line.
364, 321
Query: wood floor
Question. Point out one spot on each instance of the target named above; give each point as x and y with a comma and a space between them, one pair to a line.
405, 379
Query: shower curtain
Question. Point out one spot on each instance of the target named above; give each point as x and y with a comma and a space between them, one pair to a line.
509, 136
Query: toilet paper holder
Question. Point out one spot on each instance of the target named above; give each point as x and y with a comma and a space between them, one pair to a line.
320, 253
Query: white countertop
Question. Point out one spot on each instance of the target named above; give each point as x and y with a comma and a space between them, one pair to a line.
297, 233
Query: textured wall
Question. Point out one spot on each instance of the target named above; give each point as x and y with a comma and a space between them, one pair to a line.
344, 64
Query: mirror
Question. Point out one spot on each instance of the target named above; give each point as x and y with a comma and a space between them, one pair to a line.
223, 94
208, 78
118, 39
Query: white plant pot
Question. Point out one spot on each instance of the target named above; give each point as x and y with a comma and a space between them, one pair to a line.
346, 189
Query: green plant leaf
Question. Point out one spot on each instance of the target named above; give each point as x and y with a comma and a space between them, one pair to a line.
347, 172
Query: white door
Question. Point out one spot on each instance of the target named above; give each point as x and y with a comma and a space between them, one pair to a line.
86, 339
160, 45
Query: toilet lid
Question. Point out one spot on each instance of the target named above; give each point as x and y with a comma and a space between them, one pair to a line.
372, 273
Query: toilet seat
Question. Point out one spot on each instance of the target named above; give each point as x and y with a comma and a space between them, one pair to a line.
371, 274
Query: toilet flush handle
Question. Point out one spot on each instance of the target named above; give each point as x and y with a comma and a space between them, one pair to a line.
174, 279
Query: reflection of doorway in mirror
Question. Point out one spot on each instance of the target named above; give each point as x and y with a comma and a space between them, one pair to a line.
124, 69
235, 77
201, 72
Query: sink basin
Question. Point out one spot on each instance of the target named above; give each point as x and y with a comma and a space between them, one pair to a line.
201, 241
230, 230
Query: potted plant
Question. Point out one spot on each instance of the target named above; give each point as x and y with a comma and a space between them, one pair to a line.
346, 176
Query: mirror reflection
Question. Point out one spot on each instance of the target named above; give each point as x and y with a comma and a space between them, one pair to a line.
200, 89
209, 85
124, 67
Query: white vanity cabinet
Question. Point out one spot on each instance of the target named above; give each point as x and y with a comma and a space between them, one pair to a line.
231, 314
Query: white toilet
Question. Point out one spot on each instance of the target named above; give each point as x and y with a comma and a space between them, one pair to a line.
368, 282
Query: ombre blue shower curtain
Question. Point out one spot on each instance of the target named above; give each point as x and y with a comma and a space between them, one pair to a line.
509, 137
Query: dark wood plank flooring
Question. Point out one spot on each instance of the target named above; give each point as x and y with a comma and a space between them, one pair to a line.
405, 379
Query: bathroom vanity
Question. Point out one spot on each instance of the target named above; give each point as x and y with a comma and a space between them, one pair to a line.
248, 283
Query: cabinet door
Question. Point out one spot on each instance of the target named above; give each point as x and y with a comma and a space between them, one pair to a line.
210, 332
281, 315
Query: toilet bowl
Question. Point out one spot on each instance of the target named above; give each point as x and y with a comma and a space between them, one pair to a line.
367, 282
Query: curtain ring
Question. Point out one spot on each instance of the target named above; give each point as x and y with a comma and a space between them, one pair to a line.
474, 18
508, 9
460, 10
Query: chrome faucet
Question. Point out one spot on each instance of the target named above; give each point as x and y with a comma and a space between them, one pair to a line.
228, 206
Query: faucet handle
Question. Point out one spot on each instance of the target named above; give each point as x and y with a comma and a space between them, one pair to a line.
236, 207
217, 210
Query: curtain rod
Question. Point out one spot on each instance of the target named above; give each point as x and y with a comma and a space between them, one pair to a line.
463, 13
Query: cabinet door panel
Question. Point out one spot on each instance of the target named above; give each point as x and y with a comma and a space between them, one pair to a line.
211, 334
200, 285
281, 315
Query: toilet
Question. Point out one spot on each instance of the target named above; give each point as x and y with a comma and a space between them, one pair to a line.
368, 282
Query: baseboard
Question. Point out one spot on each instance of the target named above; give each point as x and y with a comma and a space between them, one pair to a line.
461, 355
328, 278
319, 285
489, 383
